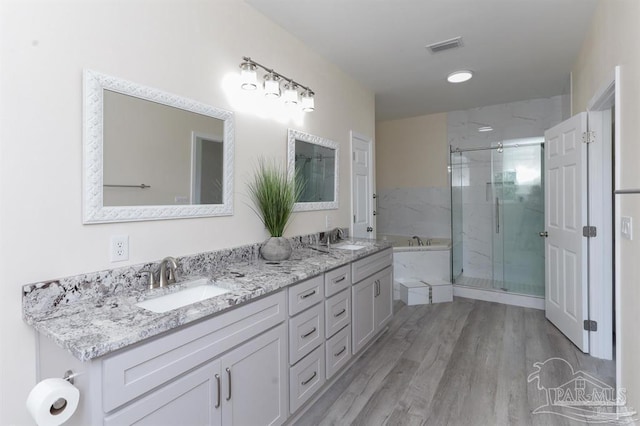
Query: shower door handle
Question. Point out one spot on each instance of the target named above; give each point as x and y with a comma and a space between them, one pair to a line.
497, 215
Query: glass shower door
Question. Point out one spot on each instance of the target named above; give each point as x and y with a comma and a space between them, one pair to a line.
517, 190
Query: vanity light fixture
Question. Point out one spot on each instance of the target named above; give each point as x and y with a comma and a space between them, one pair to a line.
272, 81
485, 129
459, 76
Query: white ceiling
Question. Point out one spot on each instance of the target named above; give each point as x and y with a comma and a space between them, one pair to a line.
518, 49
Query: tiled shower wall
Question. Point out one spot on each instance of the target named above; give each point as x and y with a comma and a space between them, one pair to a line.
516, 120
426, 210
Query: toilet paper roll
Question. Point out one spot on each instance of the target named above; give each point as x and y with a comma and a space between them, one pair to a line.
52, 402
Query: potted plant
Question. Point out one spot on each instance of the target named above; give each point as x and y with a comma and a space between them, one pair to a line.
273, 194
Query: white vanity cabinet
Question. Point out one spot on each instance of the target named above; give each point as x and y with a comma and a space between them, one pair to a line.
260, 363
246, 385
243, 387
230, 369
372, 297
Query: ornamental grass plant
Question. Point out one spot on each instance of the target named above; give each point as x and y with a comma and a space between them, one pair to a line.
273, 195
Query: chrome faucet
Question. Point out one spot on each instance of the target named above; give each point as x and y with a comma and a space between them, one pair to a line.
420, 242
330, 237
168, 276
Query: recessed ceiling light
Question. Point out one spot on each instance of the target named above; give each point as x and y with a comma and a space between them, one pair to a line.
459, 76
485, 129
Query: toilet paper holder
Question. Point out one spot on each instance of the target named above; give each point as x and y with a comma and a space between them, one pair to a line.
69, 375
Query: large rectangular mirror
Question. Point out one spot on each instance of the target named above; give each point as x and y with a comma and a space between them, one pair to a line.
152, 155
314, 160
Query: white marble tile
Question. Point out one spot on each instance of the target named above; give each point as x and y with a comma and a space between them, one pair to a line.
425, 212
421, 265
475, 169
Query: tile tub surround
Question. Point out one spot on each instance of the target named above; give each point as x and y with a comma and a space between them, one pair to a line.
92, 315
414, 211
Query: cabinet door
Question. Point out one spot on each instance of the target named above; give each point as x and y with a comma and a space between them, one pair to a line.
189, 400
383, 302
363, 322
255, 385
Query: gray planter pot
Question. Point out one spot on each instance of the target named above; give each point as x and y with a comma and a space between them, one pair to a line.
276, 249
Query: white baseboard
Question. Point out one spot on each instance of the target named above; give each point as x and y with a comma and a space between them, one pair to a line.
499, 297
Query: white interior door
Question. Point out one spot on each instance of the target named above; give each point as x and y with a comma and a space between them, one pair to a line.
565, 214
362, 186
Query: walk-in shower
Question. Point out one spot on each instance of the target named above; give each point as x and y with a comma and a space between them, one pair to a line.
497, 212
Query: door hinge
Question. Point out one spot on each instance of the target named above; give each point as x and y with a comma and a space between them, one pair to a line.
589, 137
590, 325
589, 231
354, 218
354, 156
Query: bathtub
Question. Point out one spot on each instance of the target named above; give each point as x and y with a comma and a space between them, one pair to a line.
419, 263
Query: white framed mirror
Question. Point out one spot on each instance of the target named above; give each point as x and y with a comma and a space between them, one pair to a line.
315, 160
150, 155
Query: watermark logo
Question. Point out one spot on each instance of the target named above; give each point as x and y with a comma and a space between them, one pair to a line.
578, 395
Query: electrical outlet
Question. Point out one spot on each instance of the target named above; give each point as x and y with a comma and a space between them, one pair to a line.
626, 227
327, 222
119, 248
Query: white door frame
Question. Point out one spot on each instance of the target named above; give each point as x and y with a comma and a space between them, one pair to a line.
355, 135
601, 263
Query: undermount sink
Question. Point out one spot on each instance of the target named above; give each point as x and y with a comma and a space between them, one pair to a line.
196, 291
350, 247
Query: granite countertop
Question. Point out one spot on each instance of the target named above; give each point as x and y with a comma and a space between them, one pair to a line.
92, 327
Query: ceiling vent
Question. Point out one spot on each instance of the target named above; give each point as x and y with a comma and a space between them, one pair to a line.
445, 45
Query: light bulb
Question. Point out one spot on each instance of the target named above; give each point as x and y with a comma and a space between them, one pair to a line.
459, 76
308, 103
271, 85
248, 76
290, 94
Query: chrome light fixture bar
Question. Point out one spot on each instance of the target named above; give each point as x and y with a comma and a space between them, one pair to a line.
290, 96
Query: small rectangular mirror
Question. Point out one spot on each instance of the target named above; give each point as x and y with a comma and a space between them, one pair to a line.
152, 155
315, 160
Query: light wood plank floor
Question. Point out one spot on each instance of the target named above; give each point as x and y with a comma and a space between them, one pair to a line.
460, 363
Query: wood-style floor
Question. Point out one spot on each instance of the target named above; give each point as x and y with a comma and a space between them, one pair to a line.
460, 363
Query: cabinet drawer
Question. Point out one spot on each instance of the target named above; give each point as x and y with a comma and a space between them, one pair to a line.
363, 268
338, 351
306, 294
337, 280
132, 372
306, 378
306, 332
337, 312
